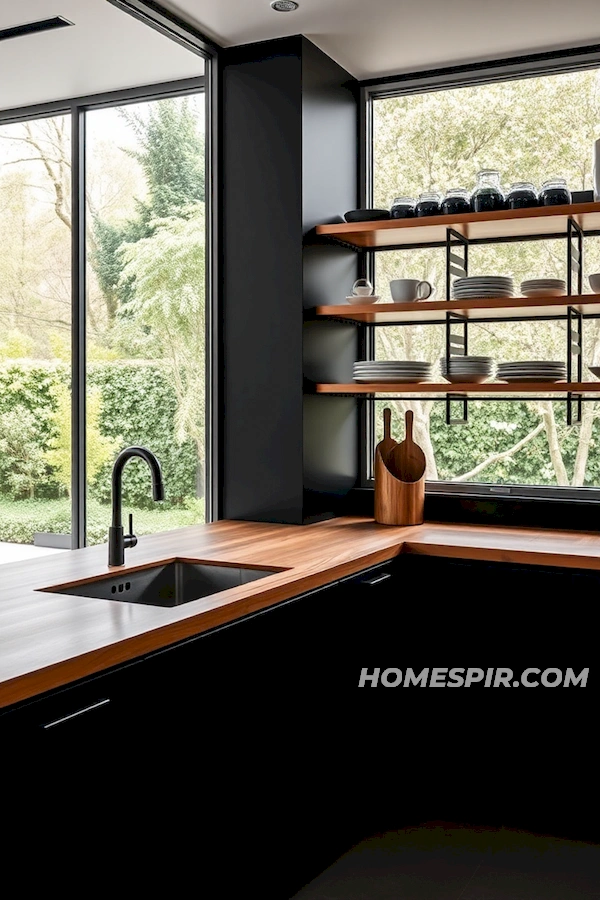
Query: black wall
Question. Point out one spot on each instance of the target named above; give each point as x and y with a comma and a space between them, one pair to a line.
289, 118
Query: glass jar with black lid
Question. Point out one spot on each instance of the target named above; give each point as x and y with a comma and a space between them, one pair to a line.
456, 201
488, 196
555, 192
428, 204
521, 195
403, 208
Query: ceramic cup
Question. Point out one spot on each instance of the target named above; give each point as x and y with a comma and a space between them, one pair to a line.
594, 281
406, 290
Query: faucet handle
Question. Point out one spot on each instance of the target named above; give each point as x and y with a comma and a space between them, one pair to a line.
130, 540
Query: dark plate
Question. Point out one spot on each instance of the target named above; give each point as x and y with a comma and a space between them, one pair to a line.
367, 215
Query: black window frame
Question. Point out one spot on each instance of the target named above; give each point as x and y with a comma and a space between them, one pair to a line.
458, 500
172, 27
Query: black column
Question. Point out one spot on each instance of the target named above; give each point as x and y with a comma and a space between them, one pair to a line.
290, 151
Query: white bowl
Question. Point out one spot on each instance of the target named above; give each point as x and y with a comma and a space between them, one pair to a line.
594, 281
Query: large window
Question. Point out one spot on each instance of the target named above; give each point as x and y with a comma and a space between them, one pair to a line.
530, 130
103, 316
146, 318
35, 332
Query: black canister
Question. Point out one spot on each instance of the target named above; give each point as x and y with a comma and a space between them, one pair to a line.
521, 195
488, 196
403, 208
428, 204
555, 193
456, 201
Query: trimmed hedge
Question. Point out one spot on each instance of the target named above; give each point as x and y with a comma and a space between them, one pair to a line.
138, 404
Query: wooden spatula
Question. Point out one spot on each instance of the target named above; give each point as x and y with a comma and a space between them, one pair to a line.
406, 460
388, 443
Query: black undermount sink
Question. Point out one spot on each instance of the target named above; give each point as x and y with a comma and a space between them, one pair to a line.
166, 584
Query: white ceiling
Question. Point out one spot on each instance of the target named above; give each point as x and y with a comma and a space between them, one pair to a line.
385, 37
106, 50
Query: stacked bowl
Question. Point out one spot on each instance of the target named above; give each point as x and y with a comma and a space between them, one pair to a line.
484, 286
544, 287
391, 371
532, 371
467, 369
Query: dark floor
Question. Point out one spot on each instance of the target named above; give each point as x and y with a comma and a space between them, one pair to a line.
450, 862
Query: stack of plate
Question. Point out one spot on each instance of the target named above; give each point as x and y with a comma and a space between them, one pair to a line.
391, 372
467, 369
483, 286
544, 287
532, 371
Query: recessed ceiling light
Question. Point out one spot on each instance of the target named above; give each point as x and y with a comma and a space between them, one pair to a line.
284, 5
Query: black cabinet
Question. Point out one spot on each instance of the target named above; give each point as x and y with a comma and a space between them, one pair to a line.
242, 731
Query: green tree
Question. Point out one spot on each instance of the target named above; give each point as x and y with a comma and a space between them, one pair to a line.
22, 463
166, 271
171, 156
529, 129
99, 447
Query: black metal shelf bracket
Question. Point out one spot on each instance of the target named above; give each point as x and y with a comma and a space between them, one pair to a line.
574, 318
457, 345
574, 363
457, 398
457, 264
574, 256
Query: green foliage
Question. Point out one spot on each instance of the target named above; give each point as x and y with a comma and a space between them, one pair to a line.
139, 406
530, 130
100, 449
128, 403
166, 272
172, 159
22, 463
172, 156
16, 345
20, 521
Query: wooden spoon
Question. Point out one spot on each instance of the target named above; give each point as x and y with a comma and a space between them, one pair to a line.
407, 461
388, 443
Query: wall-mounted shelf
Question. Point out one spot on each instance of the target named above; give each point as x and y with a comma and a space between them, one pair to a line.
457, 234
432, 311
493, 227
493, 387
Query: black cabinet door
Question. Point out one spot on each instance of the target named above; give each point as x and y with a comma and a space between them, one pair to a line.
97, 710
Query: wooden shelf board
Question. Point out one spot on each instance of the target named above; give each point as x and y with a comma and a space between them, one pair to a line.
493, 387
492, 226
480, 309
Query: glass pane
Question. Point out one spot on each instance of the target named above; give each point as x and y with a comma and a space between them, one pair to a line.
35, 337
146, 310
439, 141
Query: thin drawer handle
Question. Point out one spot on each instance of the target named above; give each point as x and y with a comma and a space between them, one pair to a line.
377, 579
79, 712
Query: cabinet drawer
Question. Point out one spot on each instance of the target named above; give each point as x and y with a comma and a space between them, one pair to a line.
97, 708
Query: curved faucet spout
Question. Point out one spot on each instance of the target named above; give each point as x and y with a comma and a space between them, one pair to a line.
117, 540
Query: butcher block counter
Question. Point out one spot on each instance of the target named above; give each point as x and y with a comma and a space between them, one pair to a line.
50, 639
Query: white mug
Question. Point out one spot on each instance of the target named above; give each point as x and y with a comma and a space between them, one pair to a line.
406, 290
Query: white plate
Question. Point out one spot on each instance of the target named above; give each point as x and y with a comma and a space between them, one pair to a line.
533, 362
373, 376
484, 279
372, 368
541, 284
529, 379
358, 301
388, 379
467, 294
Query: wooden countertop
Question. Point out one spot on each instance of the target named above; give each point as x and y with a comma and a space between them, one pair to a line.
48, 639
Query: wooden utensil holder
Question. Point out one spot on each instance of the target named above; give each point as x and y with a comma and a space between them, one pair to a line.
397, 502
